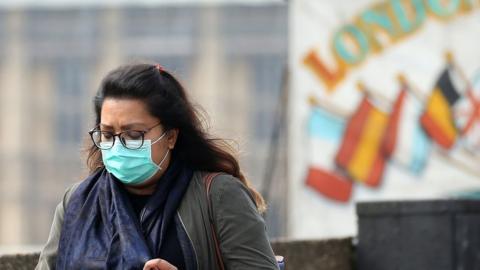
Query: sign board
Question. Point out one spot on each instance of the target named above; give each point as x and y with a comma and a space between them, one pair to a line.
384, 104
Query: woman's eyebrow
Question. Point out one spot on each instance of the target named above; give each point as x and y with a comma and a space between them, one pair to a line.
124, 127
132, 125
105, 126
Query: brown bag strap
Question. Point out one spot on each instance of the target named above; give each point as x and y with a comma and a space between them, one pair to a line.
208, 179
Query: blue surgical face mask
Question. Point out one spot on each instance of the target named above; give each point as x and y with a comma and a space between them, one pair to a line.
132, 166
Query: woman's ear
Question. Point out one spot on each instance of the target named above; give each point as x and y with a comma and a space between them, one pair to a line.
172, 137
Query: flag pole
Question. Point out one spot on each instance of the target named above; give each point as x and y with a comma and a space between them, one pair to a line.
374, 94
411, 87
451, 61
329, 107
460, 165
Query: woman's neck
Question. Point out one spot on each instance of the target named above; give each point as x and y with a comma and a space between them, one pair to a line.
141, 190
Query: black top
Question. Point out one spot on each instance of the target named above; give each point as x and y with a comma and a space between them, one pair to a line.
173, 254
138, 202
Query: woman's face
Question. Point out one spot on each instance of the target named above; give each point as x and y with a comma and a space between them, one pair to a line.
118, 115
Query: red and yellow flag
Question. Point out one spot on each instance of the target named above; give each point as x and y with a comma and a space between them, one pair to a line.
361, 155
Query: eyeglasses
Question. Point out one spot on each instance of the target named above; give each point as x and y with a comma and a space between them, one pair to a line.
130, 139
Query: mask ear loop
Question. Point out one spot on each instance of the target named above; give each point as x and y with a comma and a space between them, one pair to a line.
163, 159
157, 140
166, 154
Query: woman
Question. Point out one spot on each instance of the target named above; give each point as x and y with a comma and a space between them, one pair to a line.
145, 203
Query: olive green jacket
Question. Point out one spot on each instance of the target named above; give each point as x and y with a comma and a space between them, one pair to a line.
240, 228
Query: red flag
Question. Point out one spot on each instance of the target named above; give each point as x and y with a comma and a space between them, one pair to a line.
474, 115
330, 184
391, 134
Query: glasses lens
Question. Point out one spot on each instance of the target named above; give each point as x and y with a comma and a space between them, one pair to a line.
102, 139
132, 139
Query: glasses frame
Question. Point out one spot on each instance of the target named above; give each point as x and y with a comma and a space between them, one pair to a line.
142, 132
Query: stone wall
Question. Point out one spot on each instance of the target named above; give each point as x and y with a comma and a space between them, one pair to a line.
19, 261
330, 254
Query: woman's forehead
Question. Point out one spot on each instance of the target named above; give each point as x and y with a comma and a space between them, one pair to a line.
122, 112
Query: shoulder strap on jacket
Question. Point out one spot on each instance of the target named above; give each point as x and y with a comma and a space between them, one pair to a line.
208, 179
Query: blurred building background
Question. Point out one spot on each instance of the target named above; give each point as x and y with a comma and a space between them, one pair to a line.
231, 58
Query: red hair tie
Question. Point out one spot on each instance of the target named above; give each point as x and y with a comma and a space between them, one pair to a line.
159, 67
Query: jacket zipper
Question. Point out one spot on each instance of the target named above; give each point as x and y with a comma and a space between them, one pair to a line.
189, 239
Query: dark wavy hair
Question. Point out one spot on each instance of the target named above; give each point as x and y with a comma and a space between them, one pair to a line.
167, 100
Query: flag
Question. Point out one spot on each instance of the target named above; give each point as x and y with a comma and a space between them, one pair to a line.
329, 183
467, 117
391, 133
466, 156
411, 147
325, 125
360, 154
437, 119
325, 132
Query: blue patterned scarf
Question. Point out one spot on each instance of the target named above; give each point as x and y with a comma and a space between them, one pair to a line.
101, 230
